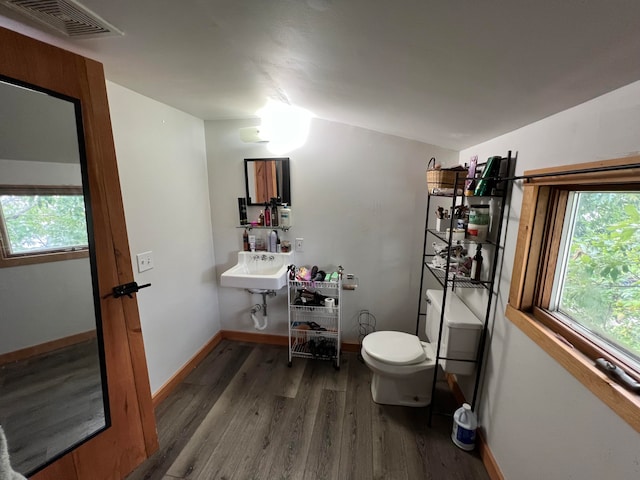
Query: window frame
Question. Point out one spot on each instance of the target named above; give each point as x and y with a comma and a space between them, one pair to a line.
545, 196
31, 258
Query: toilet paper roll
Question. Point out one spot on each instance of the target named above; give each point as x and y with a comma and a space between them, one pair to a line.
329, 302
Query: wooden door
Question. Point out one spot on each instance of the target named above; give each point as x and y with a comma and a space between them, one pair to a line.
131, 437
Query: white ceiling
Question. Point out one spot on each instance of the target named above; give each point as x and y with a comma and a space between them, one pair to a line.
449, 72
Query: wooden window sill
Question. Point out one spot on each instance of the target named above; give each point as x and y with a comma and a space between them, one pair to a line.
625, 403
42, 258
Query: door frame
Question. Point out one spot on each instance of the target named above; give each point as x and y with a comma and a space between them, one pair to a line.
132, 436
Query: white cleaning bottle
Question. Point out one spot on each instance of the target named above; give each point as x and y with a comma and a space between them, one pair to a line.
464, 428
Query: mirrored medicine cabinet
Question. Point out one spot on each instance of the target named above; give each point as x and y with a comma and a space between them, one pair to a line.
266, 178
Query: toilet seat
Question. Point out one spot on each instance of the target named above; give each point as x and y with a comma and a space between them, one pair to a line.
403, 368
394, 348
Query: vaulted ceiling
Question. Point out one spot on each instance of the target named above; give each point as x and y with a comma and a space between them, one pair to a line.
452, 73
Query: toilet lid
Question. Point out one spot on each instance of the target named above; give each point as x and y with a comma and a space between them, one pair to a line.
394, 348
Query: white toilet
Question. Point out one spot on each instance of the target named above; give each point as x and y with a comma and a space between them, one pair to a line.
403, 367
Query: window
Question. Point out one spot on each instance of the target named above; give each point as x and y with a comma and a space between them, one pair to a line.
575, 288
597, 280
41, 224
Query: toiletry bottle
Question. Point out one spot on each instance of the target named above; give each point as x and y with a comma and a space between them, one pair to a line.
261, 218
476, 265
274, 213
267, 215
273, 241
242, 210
252, 243
278, 246
285, 216
245, 240
261, 245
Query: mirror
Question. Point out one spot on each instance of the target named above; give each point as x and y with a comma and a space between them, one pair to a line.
266, 178
52, 375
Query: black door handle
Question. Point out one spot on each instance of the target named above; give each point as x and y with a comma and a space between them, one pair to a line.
128, 289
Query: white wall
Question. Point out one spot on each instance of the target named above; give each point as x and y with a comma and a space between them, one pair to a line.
163, 175
540, 421
23, 321
358, 199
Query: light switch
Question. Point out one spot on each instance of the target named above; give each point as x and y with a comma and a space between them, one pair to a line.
145, 261
299, 244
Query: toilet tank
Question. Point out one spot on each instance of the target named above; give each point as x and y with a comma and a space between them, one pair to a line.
461, 335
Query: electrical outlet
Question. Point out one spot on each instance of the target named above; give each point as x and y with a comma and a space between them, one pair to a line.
145, 261
299, 244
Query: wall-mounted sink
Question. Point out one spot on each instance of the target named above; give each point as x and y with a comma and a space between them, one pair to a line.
262, 270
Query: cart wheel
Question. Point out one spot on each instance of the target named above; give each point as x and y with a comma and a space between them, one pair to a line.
336, 366
289, 364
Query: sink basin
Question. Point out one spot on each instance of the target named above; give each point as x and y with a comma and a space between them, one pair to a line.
263, 270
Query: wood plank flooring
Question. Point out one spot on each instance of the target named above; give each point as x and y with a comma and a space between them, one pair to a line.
242, 414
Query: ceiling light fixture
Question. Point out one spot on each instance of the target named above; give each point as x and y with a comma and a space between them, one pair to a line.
285, 126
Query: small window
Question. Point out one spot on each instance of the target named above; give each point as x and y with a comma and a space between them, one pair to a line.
41, 224
597, 283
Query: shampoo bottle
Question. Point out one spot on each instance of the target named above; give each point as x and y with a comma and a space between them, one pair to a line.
245, 240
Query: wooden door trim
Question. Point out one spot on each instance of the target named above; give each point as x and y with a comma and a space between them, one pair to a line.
102, 134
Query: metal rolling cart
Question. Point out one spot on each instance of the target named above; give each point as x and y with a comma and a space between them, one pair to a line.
315, 316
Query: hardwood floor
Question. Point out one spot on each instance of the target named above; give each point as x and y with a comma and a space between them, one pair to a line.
243, 414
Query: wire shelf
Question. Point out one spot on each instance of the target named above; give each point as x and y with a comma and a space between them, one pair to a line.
314, 344
456, 280
303, 313
444, 237
311, 285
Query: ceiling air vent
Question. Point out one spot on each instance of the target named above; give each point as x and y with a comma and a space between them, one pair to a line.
66, 16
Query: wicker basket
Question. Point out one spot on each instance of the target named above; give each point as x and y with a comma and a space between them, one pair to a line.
441, 178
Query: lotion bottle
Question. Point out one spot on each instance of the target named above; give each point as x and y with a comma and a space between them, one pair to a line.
285, 216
